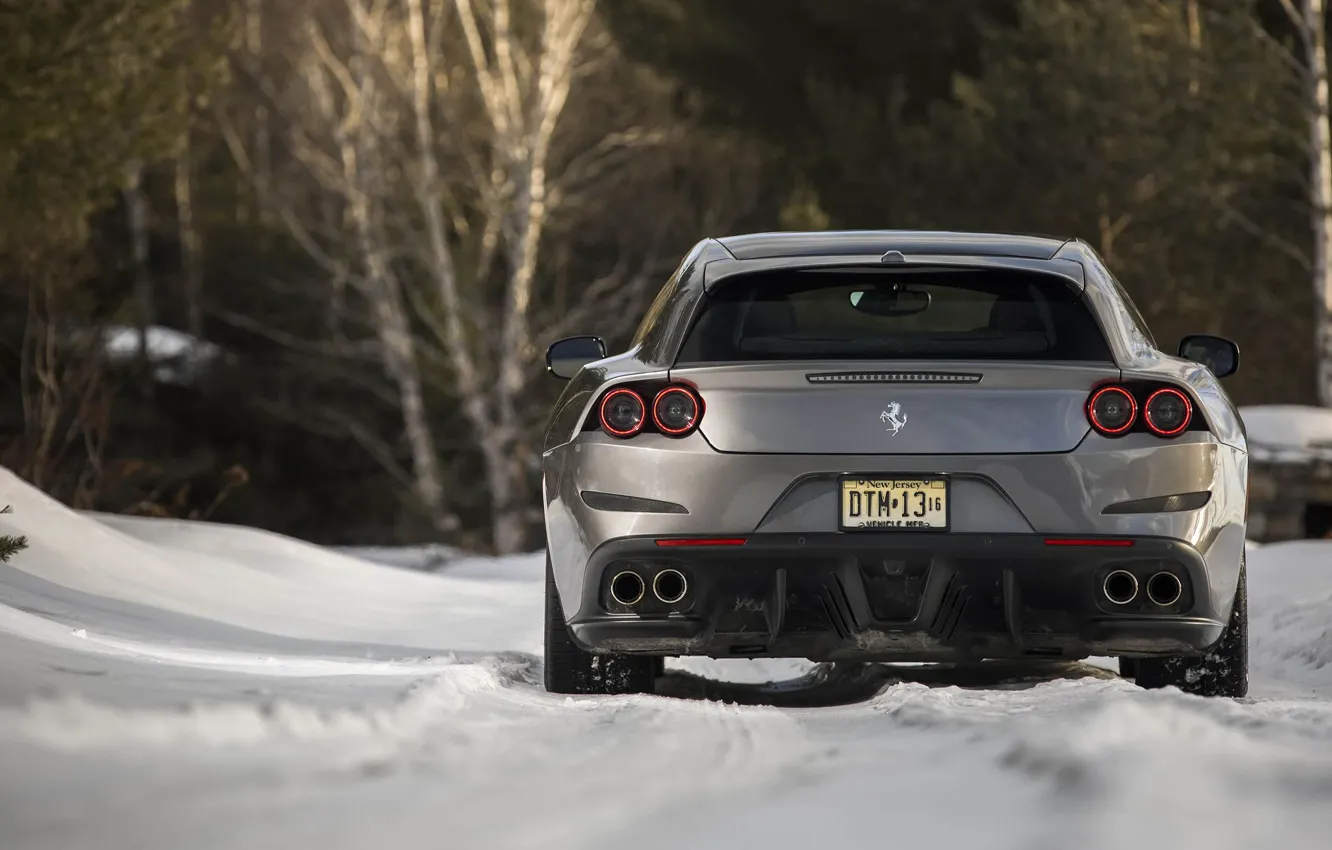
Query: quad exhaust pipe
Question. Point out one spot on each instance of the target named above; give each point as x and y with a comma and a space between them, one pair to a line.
627, 588
1120, 587
1164, 589
670, 586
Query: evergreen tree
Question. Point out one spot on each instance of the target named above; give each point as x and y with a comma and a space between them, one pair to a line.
10, 545
85, 90
1170, 142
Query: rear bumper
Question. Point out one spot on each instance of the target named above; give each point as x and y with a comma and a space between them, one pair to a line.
904, 597
699, 491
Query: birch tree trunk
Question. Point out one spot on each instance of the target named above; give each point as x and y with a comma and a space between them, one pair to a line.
1309, 17
1320, 182
525, 110
1194, 16
357, 131
495, 440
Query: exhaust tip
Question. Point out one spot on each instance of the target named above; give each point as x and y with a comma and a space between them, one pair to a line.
627, 588
1120, 587
1164, 589
670, 586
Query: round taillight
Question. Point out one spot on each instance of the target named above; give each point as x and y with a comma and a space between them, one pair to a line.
622, 413
1112, 410
1167, 412
675, 410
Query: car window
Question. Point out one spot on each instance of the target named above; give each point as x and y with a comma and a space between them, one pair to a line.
652, 318
867, 314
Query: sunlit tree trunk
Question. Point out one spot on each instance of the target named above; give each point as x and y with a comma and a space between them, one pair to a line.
1194, 15
524, 92
363, 171
1309, 17
1320, 181
350, 107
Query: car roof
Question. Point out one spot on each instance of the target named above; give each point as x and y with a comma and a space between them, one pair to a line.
762, 246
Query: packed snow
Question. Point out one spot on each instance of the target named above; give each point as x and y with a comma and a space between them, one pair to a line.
173, 684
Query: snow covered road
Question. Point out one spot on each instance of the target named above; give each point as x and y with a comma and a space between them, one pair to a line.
172, 685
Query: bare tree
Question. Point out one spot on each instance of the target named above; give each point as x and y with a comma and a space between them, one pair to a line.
349, 106
442, 145
523, 88
66, 402
456, 106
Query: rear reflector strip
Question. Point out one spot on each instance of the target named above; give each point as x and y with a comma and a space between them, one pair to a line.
1076, 541
1161, 504
702, 541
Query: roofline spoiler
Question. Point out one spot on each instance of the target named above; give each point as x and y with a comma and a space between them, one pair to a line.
720, 268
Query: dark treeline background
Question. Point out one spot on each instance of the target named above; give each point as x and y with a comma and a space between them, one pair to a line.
347, 229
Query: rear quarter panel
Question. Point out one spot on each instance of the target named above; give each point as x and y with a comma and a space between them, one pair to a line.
1222, 525
574, 404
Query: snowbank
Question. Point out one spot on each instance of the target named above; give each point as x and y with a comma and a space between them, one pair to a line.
177, 357
255, 580
424, 558
1288, 432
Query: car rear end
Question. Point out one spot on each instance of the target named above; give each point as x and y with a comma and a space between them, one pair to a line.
934, 460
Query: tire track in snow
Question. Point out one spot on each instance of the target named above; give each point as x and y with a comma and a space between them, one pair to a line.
592, 770
1122, 767
457, 748
1090, 763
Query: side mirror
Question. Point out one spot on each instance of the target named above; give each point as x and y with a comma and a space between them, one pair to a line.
1216, 353
565, 357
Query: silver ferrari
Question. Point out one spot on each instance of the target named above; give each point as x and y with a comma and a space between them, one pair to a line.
894, 446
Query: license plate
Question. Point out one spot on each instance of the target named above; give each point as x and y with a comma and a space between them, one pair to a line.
888, 504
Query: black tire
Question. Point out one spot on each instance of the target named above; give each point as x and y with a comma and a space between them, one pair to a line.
573, 670
1221, 671
1128, 668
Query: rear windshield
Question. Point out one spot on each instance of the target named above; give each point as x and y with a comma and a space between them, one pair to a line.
948, 314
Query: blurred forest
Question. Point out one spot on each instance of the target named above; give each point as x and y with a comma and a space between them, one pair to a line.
295, 264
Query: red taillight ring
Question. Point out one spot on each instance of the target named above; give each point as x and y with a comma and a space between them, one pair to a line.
1188, 412
1091, 410
601, 413
698, 411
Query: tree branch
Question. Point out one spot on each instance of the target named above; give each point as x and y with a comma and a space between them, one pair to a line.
1275, 241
